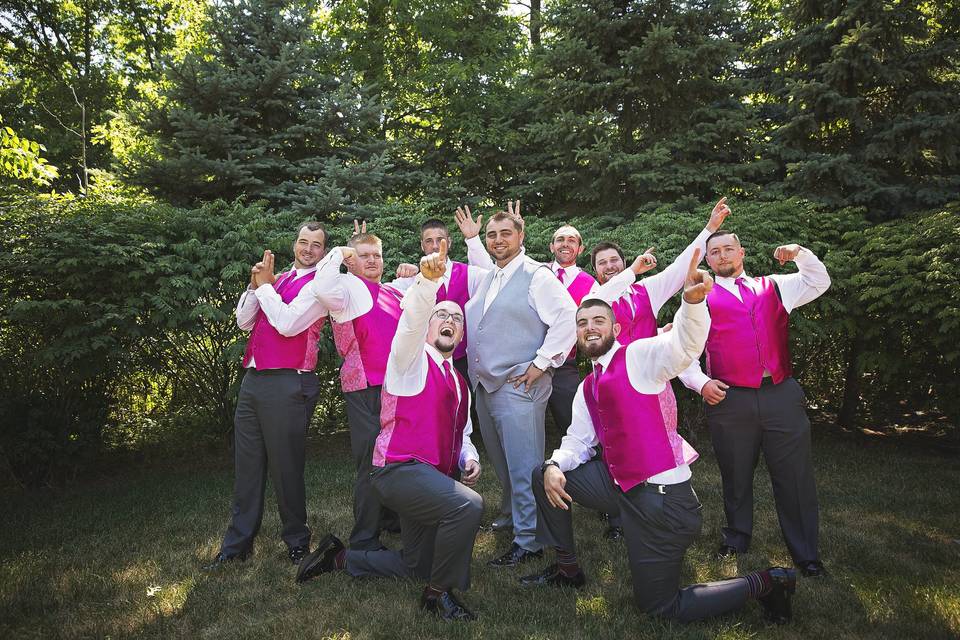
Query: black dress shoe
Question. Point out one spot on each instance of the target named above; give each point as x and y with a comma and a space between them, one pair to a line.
321, 560
552, 577
811, 569
614, 534
296, 553
516, 555
776, 604
503, 523
221, 559
445, 606
725, 551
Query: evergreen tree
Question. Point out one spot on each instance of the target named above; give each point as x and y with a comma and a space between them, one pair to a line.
259, 111
864, 101
638, 102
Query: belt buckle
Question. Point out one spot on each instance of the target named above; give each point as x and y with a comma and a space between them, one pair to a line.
662, 489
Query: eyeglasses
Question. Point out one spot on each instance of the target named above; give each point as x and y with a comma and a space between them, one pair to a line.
446, 315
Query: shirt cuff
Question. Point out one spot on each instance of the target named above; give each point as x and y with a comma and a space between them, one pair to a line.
543, 363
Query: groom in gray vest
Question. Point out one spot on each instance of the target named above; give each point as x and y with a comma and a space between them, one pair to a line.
521, 323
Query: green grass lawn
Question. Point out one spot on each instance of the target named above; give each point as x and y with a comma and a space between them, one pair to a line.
121, 557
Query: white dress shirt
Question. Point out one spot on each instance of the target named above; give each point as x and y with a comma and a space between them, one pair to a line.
651, 364
408, 365
569, 273
549, 298
343, 294
660, 286
289, 319
796, 289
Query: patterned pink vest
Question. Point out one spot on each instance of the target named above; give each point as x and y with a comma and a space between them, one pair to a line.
636, 443
269, 349
427, 427
635, 315
364, 342
743, 342
458, 292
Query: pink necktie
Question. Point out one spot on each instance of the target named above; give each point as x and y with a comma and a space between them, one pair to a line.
597, 372
746, 293
451, 382
560, 273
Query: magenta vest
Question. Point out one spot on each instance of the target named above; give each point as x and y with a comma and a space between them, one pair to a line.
364, 342
427, 427
269, 349
743, 342
458, 292
637, 444
577, 289
638, 321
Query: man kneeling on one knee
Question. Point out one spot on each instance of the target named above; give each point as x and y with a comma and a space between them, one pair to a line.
424, 437
645, 474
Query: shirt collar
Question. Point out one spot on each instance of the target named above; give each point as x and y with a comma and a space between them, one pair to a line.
605, 359
731, 282
570, 271
437, 356
303, 272
512, 266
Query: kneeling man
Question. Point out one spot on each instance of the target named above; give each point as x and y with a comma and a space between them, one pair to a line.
424, 436
645, 476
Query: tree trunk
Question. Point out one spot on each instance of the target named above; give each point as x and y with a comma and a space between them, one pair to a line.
535, 21
851, 386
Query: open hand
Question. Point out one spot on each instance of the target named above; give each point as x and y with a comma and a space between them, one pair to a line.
469, 227
698, 284
531, 375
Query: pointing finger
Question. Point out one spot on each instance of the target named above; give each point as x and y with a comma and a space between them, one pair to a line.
443, 251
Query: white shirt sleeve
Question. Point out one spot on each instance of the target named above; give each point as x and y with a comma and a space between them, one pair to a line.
293, 318
477, 255
693, 377
577, 445
475, 276
406, 365
343, 294
247, 308
806, 285
614, 288
402, 284
652, 362
664, 285
549, 298
468, 451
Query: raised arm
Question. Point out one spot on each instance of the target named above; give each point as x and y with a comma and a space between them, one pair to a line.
289, 319
343, 295
808, 284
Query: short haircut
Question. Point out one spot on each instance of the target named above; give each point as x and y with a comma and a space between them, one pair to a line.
434, 223
313, 225
589, 303
720, 234
365, 238
500, 216
604, 246
568, 230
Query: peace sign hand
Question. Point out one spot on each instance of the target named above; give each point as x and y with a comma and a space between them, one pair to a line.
698, 284
358, 228
434, 265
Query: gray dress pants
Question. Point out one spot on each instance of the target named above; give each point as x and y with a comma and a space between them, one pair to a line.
771, 419
511, 422
658, 528
439, 520
270, 433
369, 516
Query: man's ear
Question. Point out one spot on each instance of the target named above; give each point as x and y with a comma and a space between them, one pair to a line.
616, 329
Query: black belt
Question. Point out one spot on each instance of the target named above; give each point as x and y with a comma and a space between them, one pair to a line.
275, 372
663, 489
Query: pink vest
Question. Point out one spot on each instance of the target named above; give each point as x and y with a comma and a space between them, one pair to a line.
364, 342
744, 341
427, 427
635, 315
636, 443
458, 292
577, 289
269, 349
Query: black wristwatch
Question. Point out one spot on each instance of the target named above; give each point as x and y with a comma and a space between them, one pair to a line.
548, 463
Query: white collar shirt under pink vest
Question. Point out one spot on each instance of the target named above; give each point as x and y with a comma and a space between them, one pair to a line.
408, 363
796, 289
651, 364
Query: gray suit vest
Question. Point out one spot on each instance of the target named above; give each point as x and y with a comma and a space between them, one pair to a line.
504, 340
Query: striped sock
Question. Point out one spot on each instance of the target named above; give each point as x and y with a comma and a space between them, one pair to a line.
567, 562
340, 560
759, 584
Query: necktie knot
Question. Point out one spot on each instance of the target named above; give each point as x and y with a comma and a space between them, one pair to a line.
560, 273
747, 296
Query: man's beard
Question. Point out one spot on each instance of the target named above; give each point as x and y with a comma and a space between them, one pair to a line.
726, 271
596, 349
444, 344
